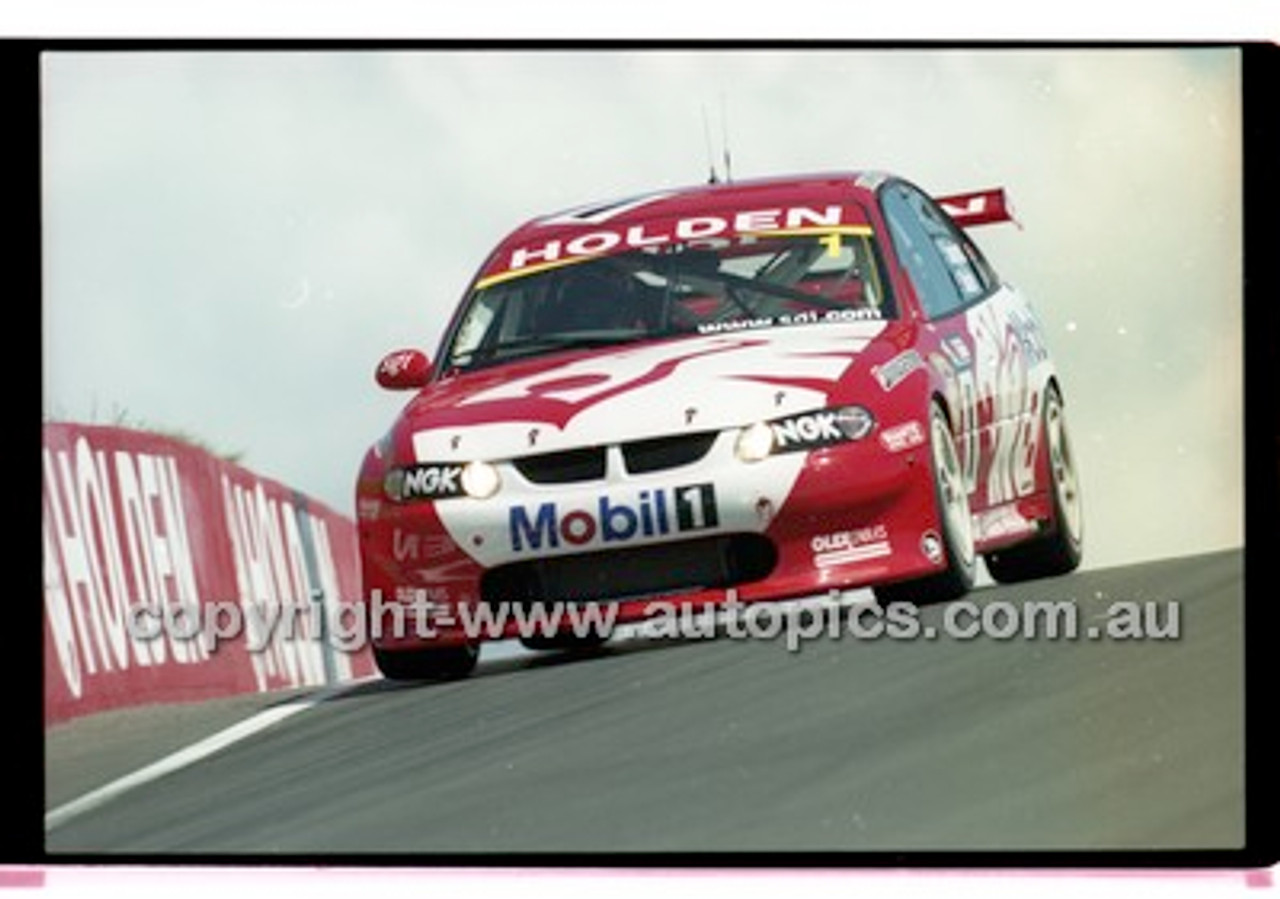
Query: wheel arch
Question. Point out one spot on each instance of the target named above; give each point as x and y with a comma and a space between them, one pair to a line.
936, 396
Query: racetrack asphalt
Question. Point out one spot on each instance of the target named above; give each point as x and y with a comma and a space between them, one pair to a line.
730, 746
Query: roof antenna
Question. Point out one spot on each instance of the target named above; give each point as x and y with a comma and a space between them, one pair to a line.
724, 139
712, 178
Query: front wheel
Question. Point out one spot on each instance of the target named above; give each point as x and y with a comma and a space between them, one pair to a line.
956, 541
449, 663
1059, 551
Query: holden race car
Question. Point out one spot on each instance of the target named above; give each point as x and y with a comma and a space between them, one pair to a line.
753, 390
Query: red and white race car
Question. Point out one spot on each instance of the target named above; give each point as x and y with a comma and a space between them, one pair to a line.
761, 389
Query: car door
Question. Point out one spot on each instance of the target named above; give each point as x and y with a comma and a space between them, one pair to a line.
967, 340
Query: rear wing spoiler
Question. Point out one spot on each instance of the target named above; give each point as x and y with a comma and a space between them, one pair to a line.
983, 207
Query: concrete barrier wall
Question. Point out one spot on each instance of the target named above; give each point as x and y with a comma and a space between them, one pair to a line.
171, 575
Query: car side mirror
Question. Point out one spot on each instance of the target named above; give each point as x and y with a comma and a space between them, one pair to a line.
403, 370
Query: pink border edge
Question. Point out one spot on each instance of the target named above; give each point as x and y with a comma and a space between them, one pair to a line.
1262, 878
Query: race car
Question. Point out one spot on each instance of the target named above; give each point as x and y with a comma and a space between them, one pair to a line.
750, 390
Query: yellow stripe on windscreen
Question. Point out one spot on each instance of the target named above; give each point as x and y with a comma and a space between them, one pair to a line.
511, 274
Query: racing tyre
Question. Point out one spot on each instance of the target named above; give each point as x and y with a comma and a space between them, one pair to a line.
952, 494
1058, 551
450, 663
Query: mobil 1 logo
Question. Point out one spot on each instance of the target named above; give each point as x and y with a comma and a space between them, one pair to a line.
612, 519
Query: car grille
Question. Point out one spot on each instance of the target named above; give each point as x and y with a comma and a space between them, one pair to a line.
564, 467
640, 457
619, 574
666, 452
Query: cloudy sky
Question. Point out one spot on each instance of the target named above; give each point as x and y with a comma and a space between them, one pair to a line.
233, 239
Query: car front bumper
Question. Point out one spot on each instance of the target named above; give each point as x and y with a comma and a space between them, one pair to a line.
699, 535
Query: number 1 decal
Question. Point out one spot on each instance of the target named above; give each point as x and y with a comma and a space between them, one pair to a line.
696, 507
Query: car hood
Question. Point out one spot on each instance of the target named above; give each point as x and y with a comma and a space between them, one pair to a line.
633, 392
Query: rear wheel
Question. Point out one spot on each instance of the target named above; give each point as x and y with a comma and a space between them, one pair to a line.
449, 663
1059, 551
956, 540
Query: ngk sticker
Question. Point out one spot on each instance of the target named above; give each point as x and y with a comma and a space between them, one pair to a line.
812, 430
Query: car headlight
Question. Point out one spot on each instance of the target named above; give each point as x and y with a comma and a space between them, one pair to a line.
755, 442
480, 480
393, 484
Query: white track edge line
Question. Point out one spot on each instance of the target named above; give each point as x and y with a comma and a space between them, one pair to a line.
190, 754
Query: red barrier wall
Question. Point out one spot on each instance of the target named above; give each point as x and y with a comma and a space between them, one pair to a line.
170, 575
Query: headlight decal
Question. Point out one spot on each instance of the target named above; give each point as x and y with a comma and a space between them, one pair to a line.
424, 481
807, 431
815, 430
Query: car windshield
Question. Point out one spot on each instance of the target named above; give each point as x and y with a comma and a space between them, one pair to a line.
748, 283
